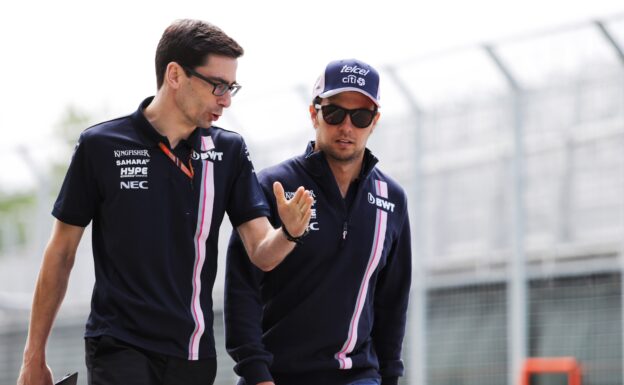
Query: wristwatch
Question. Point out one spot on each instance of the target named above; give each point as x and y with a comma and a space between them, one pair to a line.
297, 240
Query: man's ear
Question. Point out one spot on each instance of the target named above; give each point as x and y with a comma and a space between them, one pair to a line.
375, 119
313, 116
174, 75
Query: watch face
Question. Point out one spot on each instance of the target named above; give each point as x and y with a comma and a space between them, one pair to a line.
69, 379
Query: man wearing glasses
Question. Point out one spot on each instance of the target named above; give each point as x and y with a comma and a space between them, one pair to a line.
334, 311
156, 185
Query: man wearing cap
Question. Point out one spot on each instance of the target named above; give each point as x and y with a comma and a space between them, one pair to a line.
334, 311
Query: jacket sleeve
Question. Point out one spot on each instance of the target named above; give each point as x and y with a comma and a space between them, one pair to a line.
391, 301
243, 315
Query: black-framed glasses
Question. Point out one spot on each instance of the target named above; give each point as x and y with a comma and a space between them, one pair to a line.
220, 88
334, 115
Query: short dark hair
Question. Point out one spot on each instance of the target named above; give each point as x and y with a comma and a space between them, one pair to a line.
189, 42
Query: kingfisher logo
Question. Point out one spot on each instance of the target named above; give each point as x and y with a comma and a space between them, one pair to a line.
127, 153
207, 155
381, 203
291, 194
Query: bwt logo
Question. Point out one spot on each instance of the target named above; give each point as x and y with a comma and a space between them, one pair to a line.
134, 185
381, 203
212, 155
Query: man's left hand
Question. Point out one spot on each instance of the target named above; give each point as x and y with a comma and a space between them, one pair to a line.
295, 212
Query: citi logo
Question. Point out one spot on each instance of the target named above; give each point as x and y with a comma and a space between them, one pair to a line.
205, 155
381, 203
134, 185
352, 79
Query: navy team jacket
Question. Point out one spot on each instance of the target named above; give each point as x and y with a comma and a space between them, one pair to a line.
334, 311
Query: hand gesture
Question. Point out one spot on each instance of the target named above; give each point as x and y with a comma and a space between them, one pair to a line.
295, 212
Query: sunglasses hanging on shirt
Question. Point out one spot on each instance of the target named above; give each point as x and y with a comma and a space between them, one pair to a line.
334, 115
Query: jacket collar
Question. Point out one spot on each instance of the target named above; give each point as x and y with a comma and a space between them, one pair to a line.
316, 162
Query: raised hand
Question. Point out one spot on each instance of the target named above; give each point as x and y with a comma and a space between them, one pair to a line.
295, 212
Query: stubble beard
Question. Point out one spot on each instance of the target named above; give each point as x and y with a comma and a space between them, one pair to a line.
340, 158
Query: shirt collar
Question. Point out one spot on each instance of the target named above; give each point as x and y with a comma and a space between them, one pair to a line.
153, 137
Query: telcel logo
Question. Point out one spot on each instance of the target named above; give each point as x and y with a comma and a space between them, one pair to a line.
354, 69
381, 203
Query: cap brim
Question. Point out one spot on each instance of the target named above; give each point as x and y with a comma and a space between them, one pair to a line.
337, 91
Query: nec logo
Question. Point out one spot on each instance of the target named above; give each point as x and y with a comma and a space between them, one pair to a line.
381, 203
134, 185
